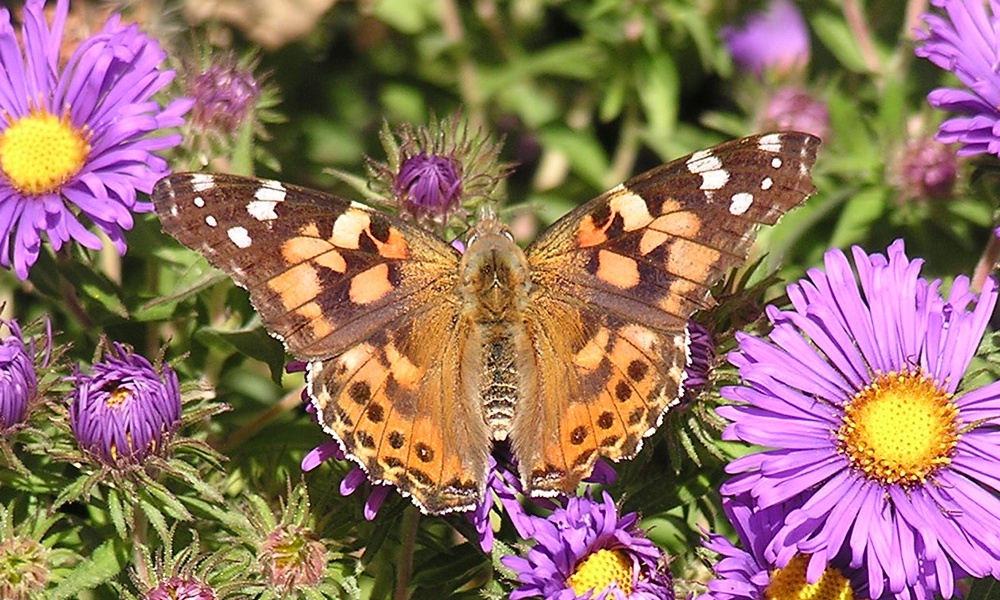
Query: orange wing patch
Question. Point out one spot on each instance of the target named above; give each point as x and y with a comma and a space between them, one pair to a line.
621, 207
356, 228
371, 285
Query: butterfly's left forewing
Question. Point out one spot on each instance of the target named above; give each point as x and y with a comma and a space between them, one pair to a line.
629, 268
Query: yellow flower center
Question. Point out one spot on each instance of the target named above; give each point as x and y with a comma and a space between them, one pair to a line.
599, 570
40, 152
899, 429
118, 397
789, 583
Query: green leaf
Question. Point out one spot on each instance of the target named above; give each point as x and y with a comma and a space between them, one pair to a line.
106, 561
405, 16
166, 500
253, 342
984, 589
580, 60
117, 513
658, 87
859, 213
833, 31
155, 517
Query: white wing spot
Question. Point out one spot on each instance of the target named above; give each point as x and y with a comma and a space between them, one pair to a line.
703, 160
706, 164
262, 210
776, 162
201, 182
740, 202
240, 237
770, 142
210, 221
714, 180
766, 184
199, 201
271, 191
173, 210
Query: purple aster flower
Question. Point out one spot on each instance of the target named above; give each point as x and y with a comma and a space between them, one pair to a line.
966, 43
124, 411
855, 393
748, 571
178, 588
794, 109
18, 382
698, 373
428, 184
586, 548
74, 138
771, 43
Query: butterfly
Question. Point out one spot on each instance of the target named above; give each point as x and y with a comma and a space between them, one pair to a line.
421, 357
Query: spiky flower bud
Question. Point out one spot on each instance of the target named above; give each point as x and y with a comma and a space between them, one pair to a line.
18, 382
795, 109
428, 185
927, 169
292, 557
24, 569
224, 93
438, 174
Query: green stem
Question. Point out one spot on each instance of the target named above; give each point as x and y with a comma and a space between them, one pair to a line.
404, 569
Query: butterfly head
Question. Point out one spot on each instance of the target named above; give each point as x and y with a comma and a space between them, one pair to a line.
494, 270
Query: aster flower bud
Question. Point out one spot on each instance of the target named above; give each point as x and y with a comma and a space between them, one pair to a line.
24, 569
437, 174
178, 588
927, 169
794, 109
225, 93
292, 557
124, 410
18, 382
428, 185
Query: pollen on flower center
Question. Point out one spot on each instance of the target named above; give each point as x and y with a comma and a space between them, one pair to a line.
789, 583
899, 429
40, 152
599, 570
118, 397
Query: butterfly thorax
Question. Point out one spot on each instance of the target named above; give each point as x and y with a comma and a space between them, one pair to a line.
494, 289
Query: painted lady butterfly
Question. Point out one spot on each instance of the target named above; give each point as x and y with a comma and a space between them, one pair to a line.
421, 357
